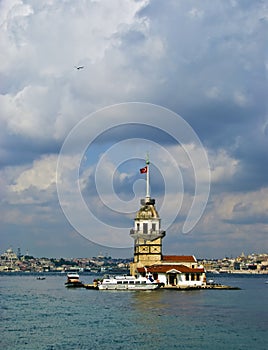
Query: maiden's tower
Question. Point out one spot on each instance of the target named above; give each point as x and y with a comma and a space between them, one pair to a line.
181, 271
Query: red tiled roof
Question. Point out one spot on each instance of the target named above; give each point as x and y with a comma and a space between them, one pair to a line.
179, 258
166, 268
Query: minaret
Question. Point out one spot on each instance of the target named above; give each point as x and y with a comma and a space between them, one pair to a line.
147, 233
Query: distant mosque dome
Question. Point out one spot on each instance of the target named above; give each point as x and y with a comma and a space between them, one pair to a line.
9, 254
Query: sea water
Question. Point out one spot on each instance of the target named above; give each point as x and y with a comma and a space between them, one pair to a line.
43, 314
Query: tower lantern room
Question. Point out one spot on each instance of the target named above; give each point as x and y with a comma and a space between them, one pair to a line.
147, 233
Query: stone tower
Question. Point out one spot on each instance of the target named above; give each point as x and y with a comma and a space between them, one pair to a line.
147, 233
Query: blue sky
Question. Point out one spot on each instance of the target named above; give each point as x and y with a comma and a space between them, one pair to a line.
144, 62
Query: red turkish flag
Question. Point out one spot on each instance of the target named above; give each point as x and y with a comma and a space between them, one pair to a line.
143, 170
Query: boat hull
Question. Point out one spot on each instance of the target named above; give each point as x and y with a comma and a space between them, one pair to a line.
73, 281
127, 287
128, 283
74, 285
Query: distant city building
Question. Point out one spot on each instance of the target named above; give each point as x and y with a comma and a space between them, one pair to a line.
9, 255
8, 261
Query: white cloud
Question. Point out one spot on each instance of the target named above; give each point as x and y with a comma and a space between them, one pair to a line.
241, 99
41, 175
16, 215
243, 206
27, 113
196, 13
13, 10
223, 167
214, 92
41, 44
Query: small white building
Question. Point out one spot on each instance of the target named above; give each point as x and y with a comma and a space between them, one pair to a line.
178, 271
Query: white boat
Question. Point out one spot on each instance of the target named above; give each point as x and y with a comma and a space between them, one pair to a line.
128, 283
73, 281
211, 282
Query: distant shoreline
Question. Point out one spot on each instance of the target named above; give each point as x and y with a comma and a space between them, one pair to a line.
238, 272
91, 273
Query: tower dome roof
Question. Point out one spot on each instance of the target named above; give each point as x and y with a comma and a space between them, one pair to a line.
147, 211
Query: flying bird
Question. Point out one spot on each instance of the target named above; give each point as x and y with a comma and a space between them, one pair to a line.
79, 67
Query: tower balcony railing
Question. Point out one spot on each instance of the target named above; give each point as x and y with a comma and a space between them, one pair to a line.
150, 235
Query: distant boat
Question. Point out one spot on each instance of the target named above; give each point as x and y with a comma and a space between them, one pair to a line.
73, 281
211, 282
266, 282
128, 283
40, 278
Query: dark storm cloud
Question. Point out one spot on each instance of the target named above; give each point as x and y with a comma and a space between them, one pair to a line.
18, 150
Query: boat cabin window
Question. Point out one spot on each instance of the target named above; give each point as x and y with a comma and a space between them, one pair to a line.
131, 282
125, 282
119, 282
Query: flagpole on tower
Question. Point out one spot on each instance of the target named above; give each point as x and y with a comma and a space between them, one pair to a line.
147, 178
